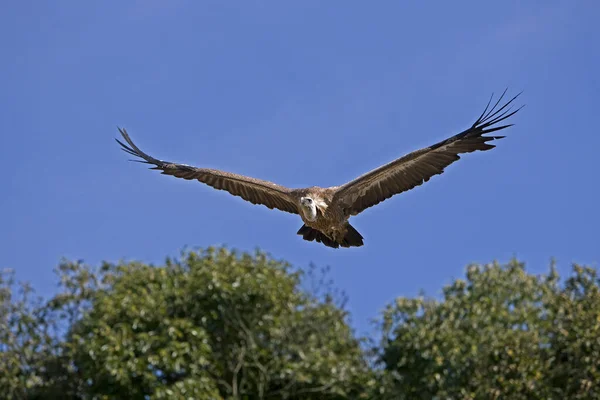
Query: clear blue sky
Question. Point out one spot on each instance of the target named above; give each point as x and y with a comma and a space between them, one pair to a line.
299, 93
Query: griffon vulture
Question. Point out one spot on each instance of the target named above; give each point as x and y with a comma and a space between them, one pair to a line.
325, 211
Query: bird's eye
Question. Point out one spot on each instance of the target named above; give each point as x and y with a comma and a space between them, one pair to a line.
310, 200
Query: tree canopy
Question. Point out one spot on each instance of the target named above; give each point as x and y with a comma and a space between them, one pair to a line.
501, 333
218, 324
212, 324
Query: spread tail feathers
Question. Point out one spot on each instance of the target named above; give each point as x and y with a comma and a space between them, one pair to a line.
352, 238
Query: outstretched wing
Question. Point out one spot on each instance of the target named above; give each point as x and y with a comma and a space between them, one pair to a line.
417, 167
255, 191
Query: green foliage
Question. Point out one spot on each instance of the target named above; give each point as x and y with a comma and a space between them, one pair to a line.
216, 324
212, 325
502, 333
24, 338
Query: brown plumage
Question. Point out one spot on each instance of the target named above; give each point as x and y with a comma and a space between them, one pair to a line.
325, 211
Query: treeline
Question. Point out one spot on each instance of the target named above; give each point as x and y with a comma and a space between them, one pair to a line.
216, 324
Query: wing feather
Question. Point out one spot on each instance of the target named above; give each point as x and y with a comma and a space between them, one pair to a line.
256, 191
418, 167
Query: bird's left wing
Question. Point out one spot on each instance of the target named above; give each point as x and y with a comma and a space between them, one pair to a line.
256, 191
419, 166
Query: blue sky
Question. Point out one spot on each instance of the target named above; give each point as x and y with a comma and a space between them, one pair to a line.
299, 93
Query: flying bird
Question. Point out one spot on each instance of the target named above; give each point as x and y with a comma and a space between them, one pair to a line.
325, 211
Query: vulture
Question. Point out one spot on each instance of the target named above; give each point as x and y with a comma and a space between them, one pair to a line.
325, 211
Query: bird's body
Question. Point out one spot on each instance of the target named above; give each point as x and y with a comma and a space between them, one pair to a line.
324, 220
325, 211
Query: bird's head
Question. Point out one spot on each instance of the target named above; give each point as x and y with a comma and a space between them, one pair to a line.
310, 208
307, 201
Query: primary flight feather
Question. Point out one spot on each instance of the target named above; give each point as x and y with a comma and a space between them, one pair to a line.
325, 211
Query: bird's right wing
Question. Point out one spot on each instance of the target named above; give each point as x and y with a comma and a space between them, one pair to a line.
256, 191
